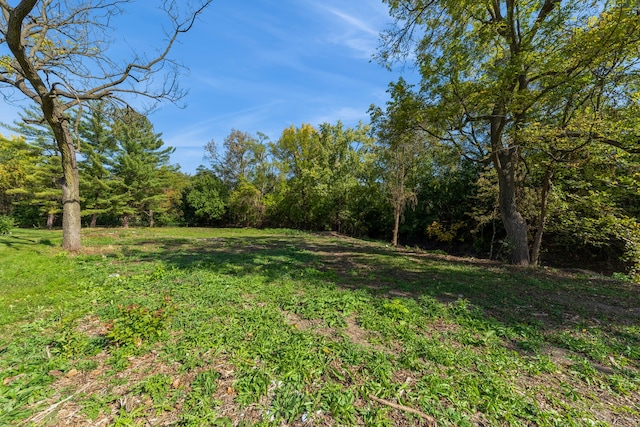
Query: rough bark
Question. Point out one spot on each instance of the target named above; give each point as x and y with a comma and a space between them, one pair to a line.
505, 161
54, 115
70, 182
514, 223
94, 220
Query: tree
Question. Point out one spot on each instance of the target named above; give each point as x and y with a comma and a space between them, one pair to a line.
42, 187
17, 162
243, 166
346, 149
302, 161
176, 184
58, 58
489, 68
205, 197
39, 189
238, 158
246, 205
400, 146
137, 167
99, 146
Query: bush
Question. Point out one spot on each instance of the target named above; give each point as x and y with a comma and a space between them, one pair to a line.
136, 324
6, 224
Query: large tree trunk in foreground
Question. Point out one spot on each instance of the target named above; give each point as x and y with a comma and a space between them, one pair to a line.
70, 182
54, 114
514, 223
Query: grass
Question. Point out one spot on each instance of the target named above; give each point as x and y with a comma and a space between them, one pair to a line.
271, 327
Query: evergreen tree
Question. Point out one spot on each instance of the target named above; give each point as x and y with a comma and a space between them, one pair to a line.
40, 189
98, 146
17, 162
137, 168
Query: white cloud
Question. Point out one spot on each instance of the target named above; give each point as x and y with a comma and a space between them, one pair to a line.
355, 25
352, 21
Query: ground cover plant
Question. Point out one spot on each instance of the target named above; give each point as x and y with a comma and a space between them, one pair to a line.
275, 327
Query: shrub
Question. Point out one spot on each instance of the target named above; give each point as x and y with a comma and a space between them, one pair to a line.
136, 324
6, 224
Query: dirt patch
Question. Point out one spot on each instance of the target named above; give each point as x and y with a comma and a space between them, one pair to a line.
357, 335
65, 407
352, 330
91, 326
558, 355
300, 323
103, 250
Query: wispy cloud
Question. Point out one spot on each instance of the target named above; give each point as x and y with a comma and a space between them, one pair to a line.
355, 26
218, 125
270, 66
351, 20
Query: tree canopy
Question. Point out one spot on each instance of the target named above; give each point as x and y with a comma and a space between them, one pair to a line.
495, 71
520, 141
57, 55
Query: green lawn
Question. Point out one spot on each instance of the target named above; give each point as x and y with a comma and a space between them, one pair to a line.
150, 327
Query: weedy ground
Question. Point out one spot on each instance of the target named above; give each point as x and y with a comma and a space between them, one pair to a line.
203, 327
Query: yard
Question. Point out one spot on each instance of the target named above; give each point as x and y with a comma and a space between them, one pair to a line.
151, 327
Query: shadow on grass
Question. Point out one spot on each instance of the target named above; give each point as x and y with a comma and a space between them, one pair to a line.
544, 308
16, 242
512, 295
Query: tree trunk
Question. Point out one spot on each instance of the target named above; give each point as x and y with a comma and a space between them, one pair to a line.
50, 219
505, 162
69, 182
396, 225
125, 221
54, 115
71, 219
537, 241
152, 222
94, 220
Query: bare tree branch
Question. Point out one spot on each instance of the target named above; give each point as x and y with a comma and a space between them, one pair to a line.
59, 57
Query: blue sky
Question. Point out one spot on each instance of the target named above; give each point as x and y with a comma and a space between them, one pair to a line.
263, 65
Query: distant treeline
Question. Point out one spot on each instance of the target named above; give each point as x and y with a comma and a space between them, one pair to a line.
372, 180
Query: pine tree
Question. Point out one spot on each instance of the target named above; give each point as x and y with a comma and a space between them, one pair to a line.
98, 146
137, 168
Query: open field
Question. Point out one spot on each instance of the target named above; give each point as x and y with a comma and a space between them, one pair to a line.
151, 327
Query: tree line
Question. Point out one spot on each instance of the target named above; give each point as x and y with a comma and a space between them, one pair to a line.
535, 90
123, 166
388, 179
519, 142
